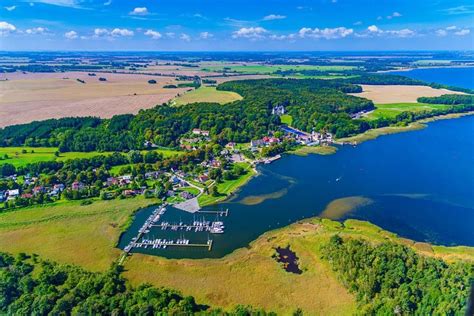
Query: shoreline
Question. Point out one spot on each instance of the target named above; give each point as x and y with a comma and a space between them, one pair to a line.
428, 67
377, 132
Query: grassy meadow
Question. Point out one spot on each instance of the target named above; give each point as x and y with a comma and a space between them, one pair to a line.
393, 109
232, 279
69, 232
286, 119
21, 156
206, 94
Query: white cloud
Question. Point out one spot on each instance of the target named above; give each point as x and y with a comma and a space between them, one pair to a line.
109, 2
205, 35
358, 23
271, 17
451, 28
6, 28
170, 34
441, 32
153, 34
36, 30
101, 32
402, 33
462, 9
139, 11
60, 3
185, 37
462, 32
250, 32
121, 32
379, 18
10, 8
375, 30
70, 35
396, 14
327, 33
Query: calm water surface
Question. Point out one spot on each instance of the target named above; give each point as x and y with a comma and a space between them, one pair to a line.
418, 184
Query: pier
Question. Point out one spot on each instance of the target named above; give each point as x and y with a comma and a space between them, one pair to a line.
164, 243
220, 213
197, 226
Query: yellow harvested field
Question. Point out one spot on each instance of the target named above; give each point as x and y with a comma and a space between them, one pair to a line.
38, 96
250, 276
382, 94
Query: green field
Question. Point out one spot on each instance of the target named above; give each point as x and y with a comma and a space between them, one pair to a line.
17, 158
393, 109
270, 69
227, 187
286, 119
206, 94
69, 232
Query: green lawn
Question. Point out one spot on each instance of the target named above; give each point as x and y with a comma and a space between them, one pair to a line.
206, 94
227, 187
393, 109
286, 119
270, 69
19, 159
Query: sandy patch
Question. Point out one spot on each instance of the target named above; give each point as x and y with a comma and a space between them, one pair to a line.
382, 94
38, 96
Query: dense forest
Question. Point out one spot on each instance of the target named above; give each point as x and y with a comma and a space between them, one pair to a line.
392, 279
30, 286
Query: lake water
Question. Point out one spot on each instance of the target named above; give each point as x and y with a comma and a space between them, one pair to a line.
459, 77
418, 184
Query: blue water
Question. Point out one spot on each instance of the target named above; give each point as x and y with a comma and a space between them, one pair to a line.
458, 77
418, 184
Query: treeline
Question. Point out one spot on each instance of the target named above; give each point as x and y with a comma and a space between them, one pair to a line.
451, 99
391, 279
29, 286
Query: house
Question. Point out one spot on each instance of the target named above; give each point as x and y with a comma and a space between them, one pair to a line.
112, 181
38, 189
197, 131
26, 196
129, 192
76, 186
2, 196
59, 187
13, 194
203, 178
257, 143
278, 110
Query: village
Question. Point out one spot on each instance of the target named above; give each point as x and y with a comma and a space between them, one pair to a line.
181, 186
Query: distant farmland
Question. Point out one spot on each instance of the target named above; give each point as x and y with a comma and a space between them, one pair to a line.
38, 96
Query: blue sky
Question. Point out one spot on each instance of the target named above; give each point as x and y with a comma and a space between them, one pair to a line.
236, 25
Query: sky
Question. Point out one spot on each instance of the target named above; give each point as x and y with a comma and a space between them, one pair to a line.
238, 25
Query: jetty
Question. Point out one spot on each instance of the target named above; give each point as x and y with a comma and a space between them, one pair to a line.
164, 243
220, 213
216, 227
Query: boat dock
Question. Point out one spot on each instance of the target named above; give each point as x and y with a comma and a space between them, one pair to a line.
197, 226
164, 243
220, 213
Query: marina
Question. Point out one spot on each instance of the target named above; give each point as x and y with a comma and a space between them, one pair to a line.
155, 223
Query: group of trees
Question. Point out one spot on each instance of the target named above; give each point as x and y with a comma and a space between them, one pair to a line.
30, 286
451, 99
392, 279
